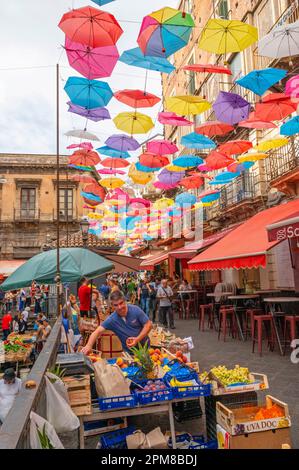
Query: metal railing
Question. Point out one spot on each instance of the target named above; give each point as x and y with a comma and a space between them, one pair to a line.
64, 217
26, 215
282, 161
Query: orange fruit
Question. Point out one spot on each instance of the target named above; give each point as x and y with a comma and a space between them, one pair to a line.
157, 351
155, 357
119, 361
151, 351
179, 354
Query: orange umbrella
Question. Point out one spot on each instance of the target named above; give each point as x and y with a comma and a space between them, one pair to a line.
115, 163
217, 160
192, 182
95, 189
84, 158
274, 107
211, 128
137, 98
234, 147
153, 161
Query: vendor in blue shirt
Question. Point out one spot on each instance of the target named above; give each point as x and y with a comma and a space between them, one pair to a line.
127, 321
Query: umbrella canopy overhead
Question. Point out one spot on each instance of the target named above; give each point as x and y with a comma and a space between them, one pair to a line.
207, 68
280, 42
153, 161
222, 36
90, 26
114, 163
212, 128
81, 134
110, 152
172, 119
274, 107
133, 123
187, 105
102, 2
252, 157
164, 32
122, 142
253, 122
164, 186
271, 144
217, 160
292, 87
95, 188
137, 98
185, 198
139, 177
234, 147
197, 141
111, 183
136, 58
170, 177
192, 182
259, 81
82, 145
162, 147
231, 108
83, 179
88, 93
146, 169
187, 161
94, 114
108, 171
291, 127
75, 263
84, 157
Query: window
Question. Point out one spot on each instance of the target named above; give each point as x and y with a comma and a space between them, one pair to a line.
66, 203
222, 9
28, 201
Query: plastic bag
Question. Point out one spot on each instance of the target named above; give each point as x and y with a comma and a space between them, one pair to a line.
58, 385
37, 423
59, 412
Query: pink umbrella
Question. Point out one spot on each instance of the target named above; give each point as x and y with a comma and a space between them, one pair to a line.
253, 122
160, 185
161, 147
108, 171
141, 201
172, 119
83, 145
292, 87
208, 193
204, 167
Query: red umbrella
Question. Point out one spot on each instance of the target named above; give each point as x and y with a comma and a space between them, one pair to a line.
172, 119
206, 68
95, 189
115, 163
211, 128
253, 122
274, 107
161, 147
90, 202
217, 160
137, 98
107, 171
90, 26
84, 158
160, 185
192, 182
234, 147
83, 179
153, 161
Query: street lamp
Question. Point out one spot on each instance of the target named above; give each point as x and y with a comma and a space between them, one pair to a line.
84, 226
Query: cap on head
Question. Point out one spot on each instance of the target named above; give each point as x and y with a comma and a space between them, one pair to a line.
9, 374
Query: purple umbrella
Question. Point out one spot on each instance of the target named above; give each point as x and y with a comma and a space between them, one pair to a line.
231, 108
170, 177
122, 142
94, 114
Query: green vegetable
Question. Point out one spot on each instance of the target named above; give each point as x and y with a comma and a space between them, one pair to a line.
44, 439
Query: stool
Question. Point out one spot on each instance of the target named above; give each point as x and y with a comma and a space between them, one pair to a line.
290, 321
226, 314
206, 308
259, 321
249, 322
178, 306
190, 308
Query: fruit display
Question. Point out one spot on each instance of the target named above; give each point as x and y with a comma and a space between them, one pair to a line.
153, 386
273, 411
160, 337
15, 345
143, 358
157, 356
227, 376
122, 363
94, 357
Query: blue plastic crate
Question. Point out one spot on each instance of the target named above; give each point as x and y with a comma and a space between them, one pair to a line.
199, 440
116, 439
125, 401
181, 371
134, 373
199, 390
145, 397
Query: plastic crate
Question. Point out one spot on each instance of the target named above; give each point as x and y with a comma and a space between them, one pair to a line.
181, 371
195, 442
199, 390
186, 410
110, 403
116, 439
144, 398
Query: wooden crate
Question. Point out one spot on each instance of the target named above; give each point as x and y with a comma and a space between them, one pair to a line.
78, 388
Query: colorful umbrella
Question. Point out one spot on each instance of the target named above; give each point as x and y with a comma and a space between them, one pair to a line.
88, 93
139, 177
185, 198
133, 123
222, 36
171, 177
122, 142
81, 167
82, 145
274, 107
172, 119
114, 163
161, 147
187, 105
231, 108
234, 147
259, 81
108, 171
97, 62
90, 26
207, 68
207, 193
237, 167
224, 178
81, 134
84, 157
210, 197
253, 122
164, 32
163, 203
270, 144
187, 161
94, 114
146, 169
91, 197
83, 179
212, 128
118, 195
111, 183
252, 157
137, 98
197, 141
280, 42
292, 87
96, 189
90, 204
174, 168
136, 58
153, 161
204, 167
291, 127
102, 2
217, 160
164, 186
192, 182
110, 152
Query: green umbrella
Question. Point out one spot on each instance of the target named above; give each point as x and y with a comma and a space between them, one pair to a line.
75, 263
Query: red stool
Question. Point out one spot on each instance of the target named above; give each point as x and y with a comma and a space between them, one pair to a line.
249, 320
290, 323
190, 308
206, 308
259, 321
225, 315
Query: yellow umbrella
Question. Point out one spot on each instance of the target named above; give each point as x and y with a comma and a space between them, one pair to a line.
163, 203
221, 36
187, 105
111, 183
252, 157
139, 177
174, 168
133, 123
203, 204
271, 144
95, 215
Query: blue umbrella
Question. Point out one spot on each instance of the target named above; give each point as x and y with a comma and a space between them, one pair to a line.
129, 223
186, 161
211, 197
136, 58
110, 152
197, 141
259, 81
244, 166
96, 231
102, 2
224, 178
88, 93
185, 198
145, 169
290, 127
91, 196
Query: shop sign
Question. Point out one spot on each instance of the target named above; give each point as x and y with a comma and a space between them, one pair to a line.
282, 233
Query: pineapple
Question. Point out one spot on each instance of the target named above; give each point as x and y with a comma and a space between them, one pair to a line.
143, 358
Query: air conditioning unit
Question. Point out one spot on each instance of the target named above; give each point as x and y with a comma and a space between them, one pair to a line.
274, 198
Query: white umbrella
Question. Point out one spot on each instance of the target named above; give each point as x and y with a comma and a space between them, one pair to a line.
280, 42
81, 134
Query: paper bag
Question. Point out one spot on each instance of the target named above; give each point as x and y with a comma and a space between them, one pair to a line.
110, 381
136, 440
156, 440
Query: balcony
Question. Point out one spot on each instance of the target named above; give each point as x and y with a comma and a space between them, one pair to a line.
64, 217
26, 215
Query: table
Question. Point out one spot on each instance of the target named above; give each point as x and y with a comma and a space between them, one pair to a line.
151, 408
193, 291
236, 298
273, 301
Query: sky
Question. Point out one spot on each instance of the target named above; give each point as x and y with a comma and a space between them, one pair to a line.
31, 45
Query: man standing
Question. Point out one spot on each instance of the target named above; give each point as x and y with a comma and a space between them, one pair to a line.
164, 295
6, 323
10, 386
84, 294
25, 315
127, 321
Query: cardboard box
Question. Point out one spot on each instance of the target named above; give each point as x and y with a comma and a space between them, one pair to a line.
110, 345
259, 382
274, 439
238, 421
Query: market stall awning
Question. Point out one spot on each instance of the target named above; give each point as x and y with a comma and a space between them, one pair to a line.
7, 267
150, 263
284, 229
122, 263
247, 245
191, 249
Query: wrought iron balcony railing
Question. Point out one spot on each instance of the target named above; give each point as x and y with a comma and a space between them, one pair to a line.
26, 215
282, 161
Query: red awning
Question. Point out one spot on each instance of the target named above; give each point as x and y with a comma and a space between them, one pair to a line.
150, 263
286, 228
7, 267
191, 249
246, 246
